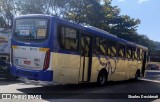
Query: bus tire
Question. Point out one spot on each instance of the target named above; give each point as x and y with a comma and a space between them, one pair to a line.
137, 74
102, 78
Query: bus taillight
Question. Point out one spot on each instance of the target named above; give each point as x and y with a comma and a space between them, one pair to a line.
46, 60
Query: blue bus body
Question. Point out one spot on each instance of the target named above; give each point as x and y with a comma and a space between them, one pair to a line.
52, 43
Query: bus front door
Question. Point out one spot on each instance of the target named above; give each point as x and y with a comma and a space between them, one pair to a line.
86, 58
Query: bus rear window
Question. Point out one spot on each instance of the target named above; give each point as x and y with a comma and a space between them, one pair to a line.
31, 28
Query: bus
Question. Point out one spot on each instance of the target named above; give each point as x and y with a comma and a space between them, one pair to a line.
48, 48
5, 45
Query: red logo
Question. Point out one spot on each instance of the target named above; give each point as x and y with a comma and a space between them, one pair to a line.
27, 62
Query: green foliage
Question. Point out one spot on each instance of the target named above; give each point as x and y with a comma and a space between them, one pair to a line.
51, 7
108, 18
2, 22
31, 6
6, 9
103, 16
98, 13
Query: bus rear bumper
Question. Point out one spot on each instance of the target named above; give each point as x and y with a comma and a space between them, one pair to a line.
43, 75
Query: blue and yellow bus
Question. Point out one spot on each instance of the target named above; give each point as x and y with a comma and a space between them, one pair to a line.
47, 48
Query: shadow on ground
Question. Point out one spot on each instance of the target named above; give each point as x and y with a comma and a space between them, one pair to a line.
3, 81
90, 91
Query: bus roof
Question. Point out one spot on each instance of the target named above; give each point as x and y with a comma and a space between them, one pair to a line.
100, 30
91, 29
114, 37
34, 15
136, 45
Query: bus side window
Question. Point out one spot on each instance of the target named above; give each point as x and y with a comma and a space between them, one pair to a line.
68, 38
97, 46
138, 53
111, 48
134, 49
129, 52
103, 46
100, 46
141, 54
62, 37
121, 51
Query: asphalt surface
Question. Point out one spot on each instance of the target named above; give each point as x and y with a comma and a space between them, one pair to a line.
112, 92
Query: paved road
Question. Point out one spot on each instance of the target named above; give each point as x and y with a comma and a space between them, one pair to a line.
70, 93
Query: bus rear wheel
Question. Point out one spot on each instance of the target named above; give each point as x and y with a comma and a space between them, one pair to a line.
102, 78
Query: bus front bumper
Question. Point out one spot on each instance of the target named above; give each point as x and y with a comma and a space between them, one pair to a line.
43, 75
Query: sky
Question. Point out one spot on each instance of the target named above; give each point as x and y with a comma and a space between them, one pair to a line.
148, 11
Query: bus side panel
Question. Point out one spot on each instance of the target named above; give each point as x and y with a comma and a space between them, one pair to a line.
83, 73
115, 71
128, 63
140, 62
65, 68
96, 66
118, 70
133, 69
109, 65
136, 65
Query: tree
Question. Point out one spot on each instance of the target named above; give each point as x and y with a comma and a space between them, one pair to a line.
82, 11
98, 13
8, 10
31, 7
2, 22
101, 14
51, 7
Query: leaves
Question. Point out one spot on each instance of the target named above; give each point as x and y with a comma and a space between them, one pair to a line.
98, 13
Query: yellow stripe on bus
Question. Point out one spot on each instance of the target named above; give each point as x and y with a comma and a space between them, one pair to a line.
14, 47
43, 49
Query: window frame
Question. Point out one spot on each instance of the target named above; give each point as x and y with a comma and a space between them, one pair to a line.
121, 44
33, 40
134, 51
59, 26
142, 54
107, 40
139, 53
81, 33
131, 57
111, 41
100, 37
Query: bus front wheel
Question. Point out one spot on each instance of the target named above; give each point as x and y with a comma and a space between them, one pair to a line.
102, 78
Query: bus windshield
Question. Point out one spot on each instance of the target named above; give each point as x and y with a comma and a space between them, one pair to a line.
35, 29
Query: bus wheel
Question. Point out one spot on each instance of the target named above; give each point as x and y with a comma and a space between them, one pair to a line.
137, 74
102, 78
